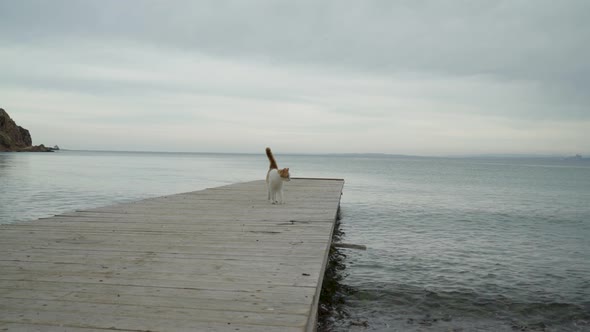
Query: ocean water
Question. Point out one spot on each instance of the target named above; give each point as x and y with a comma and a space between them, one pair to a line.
453, 244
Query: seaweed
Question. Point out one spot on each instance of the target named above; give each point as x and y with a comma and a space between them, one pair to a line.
334, 291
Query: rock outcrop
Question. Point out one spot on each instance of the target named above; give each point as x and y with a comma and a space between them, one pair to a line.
16, 138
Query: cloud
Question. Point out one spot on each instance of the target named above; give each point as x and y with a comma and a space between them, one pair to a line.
380, 76
521, 39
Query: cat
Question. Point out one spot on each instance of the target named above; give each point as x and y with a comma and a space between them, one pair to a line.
274, 179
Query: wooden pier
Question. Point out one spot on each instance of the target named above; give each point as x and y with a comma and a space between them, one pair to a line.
221, 259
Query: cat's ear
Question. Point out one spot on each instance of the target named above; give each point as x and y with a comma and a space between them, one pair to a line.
287, 169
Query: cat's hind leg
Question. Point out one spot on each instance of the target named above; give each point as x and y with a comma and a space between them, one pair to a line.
273, 196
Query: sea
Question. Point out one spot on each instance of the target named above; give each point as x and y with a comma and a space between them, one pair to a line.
453, 244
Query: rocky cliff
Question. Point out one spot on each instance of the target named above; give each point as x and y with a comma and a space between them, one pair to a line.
14, 137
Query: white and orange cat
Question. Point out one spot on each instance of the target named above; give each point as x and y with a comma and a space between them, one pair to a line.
274, 180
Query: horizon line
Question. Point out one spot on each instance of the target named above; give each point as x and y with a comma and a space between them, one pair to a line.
385, 154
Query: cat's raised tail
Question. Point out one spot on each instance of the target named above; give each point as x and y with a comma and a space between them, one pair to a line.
271, 158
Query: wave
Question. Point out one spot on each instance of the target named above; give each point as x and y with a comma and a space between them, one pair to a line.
406, 308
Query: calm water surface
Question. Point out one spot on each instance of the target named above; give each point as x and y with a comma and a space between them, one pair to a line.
453, 244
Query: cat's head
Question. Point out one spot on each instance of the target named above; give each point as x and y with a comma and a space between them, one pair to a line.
284, 173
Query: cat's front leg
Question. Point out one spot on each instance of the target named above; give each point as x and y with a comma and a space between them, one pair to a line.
281, 201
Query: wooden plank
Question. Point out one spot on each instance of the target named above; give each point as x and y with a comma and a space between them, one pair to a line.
26, 327
221, 259
230, 304
266, 297
90, 256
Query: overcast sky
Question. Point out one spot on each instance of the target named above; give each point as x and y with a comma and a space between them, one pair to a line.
408, 77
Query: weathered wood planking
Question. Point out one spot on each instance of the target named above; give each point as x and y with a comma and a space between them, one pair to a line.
221, 259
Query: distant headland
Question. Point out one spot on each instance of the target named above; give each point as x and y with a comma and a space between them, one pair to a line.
16, 138
577, 157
